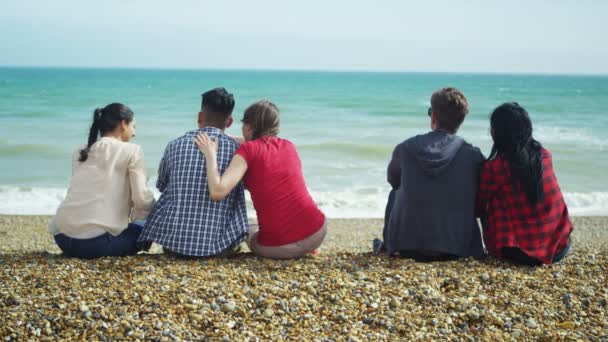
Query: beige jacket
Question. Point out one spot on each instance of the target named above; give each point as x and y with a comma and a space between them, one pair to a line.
106, 192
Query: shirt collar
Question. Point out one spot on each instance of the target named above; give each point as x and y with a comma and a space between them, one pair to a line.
209, 129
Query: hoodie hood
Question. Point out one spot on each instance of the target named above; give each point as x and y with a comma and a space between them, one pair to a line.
435, 151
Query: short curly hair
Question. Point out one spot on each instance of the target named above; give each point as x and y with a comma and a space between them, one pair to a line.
450, 107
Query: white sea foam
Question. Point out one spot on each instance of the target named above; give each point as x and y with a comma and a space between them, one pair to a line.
576, 136
30, 201
354, 203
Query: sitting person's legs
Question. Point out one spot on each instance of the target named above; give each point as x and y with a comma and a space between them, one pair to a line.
518, 256
101, 246
427, 257
226, 253
288, 251
377, 244
559, 256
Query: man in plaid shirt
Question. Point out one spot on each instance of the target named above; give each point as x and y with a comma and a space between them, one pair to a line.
185, 221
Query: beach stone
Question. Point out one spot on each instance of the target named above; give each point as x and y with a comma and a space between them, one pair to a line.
196, 317
268, 313
83, 307
473, 315
586, 303
531, 323
360, 276
231, 324
566, 325
228, 307
603, 302
283, 305
485, 277
125, 324
517, 333
394, 303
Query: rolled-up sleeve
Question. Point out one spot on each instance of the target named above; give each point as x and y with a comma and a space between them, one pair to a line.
141, 197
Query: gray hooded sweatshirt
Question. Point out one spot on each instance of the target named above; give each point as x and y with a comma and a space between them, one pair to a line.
436, 179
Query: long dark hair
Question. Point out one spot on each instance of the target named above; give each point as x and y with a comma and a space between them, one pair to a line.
512, 134
105, 120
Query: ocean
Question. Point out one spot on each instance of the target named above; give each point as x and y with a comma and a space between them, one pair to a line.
344, 124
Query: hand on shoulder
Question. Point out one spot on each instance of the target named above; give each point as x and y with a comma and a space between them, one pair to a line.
205, 144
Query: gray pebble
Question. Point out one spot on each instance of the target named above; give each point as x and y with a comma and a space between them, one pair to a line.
228, 307
531, 323
518, 333
586, 302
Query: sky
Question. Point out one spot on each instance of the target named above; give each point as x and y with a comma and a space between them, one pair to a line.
535, 36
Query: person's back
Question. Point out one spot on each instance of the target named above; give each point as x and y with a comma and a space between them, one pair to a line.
186, 220
431, 209
524, 214
102, 184
285, 209
434, 209
290, 223
107, 191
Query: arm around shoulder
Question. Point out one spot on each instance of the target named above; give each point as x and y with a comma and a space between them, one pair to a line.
221, 186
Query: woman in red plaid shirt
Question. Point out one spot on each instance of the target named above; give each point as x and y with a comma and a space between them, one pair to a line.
525, 218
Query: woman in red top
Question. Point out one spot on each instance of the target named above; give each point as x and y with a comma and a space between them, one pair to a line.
521, 205
290, 223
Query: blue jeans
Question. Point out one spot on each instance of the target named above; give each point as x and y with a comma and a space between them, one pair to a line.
518, 256
104, 245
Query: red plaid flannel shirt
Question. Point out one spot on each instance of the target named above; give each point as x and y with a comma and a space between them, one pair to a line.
510, 220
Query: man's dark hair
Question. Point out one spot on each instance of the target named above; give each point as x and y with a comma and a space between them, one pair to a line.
450, 107
218, 104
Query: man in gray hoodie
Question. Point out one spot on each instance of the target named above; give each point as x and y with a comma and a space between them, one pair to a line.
430, 214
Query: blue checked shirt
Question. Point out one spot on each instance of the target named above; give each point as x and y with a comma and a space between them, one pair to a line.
185, 220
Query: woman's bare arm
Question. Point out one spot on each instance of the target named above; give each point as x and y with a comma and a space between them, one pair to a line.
220, 186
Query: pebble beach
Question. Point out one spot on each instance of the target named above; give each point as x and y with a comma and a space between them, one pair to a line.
342, 294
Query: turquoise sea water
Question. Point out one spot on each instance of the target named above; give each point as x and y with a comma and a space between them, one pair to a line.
345, 125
